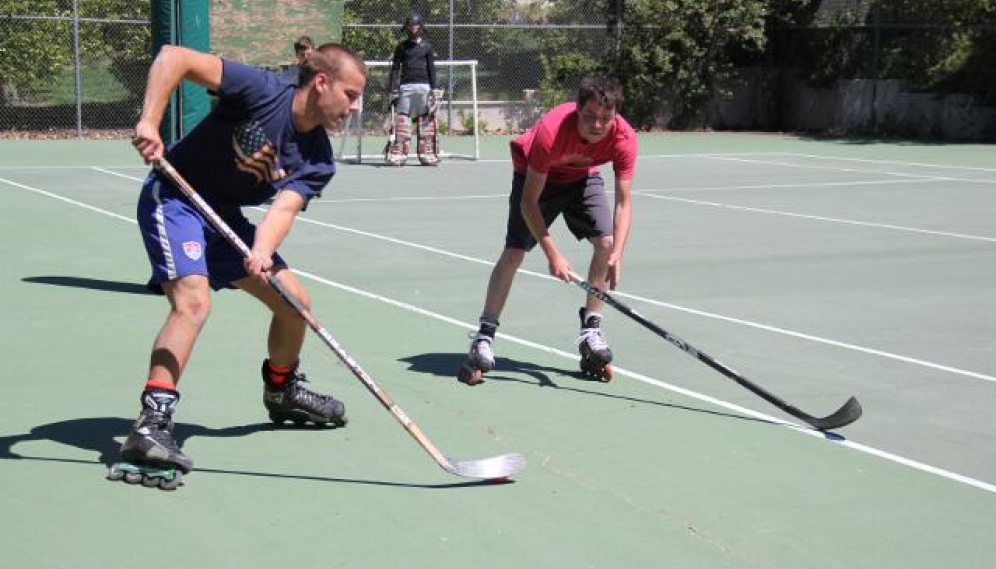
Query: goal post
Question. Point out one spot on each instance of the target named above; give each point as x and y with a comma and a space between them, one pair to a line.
364, 134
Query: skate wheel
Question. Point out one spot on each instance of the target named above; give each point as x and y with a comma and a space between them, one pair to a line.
603, 374
470, 376
606, 374
133, 477
167, 484
114, 474
151, 481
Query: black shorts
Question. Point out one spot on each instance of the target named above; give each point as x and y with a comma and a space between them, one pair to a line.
583, 203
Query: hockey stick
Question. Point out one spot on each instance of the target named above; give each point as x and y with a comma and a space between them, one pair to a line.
497, 467
393, 133
847, 414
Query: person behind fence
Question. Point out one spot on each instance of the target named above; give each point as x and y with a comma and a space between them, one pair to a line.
302, 47
264, 140
414, 96
555, 171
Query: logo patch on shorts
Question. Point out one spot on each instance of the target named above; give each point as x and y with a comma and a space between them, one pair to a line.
192, 249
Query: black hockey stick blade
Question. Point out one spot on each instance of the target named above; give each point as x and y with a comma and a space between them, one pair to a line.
847, 414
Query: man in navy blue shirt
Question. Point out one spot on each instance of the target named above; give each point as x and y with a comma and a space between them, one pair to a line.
265, 140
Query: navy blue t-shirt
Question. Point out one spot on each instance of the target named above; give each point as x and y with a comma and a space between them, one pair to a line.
253, 111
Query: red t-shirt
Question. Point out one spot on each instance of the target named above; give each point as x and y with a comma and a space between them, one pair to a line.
554, 147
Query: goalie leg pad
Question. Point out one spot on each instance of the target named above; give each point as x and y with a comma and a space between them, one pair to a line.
428, 144
397, 154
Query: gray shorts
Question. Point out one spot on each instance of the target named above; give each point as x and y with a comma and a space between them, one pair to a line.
413, 99
583, 203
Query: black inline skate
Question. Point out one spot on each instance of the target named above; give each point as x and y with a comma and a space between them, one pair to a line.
596, 357
150, 456
294, 402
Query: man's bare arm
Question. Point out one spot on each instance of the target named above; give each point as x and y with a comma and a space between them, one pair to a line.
171, 66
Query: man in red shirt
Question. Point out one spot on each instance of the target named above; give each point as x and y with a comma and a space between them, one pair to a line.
556, 172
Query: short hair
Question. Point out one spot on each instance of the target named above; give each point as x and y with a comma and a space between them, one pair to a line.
303, 42
329, 58
605, 91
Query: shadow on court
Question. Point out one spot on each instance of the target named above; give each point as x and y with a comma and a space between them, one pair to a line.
92, 284
447, 365
98, 434
507, 369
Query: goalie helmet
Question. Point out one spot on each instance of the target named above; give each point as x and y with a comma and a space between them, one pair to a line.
413, 24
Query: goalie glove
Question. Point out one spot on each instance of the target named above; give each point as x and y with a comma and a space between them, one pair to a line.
435, 96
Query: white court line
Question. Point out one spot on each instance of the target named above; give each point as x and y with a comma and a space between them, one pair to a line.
832, 168
668, 387
823, 218
812, 338
862, 171
640, 157
61, 198
891, 162
917, 465
748, 323
350, 200
113, 173
797, 185
62, 167
756, 325
324, 200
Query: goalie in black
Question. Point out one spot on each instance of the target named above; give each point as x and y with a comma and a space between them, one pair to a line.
414, 97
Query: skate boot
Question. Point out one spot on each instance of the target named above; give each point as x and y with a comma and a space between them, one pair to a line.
396, 156
596, 357
150, 456
428, 158
292, 401
480, 360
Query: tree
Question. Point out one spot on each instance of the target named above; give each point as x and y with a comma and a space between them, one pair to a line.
28, 50
929, 45
35, 51
677, 55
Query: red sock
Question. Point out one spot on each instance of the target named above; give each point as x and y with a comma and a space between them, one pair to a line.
278, 374
160, 384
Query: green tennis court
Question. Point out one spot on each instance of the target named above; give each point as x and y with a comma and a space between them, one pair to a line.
818, 269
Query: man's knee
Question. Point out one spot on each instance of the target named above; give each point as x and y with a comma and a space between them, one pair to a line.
297, 291
190, 299
512, 257
603, 244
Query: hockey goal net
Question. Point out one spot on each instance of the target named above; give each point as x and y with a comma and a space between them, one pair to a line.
365, 133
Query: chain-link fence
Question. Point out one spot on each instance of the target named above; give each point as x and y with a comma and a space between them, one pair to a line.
77, 67
72, 71
531, 54
904, 67
894, 74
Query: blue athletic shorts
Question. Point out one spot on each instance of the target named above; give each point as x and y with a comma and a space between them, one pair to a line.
583, 204
180, 242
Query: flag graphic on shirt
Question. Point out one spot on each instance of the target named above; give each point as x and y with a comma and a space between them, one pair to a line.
255, 154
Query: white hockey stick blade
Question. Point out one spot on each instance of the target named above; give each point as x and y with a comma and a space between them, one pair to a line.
487, 468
